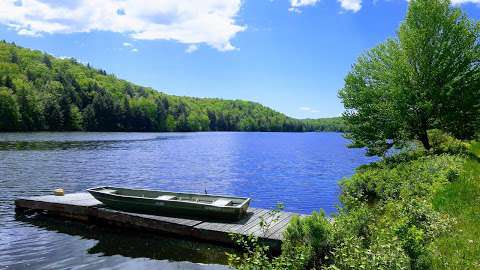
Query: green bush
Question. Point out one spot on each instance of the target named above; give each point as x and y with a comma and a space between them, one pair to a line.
444, 143
257, 256
383, 181
383, 253
312, 232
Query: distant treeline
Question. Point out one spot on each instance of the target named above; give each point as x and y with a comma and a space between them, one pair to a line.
325, 124
41, 92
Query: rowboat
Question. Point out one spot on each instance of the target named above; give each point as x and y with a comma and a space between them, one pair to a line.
171, 203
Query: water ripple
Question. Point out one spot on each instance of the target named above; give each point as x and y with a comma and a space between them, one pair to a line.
299, 169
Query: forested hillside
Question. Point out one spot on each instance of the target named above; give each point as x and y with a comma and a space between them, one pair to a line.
325, 124
41, 92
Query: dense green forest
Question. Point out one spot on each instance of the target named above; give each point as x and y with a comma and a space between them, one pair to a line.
41, 92
325, 124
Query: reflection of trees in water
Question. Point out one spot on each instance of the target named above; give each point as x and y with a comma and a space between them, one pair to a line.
56, 145
133, 243
77, 145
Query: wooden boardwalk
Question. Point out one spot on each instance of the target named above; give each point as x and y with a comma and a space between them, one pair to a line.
82, 206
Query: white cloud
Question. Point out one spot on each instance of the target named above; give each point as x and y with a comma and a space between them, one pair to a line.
460, 2
191, 48
186, 21
296, 4
351, 5
130, 46
295, 10
308, 109
303, 3
26, 32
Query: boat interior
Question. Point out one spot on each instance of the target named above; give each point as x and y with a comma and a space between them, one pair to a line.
172, 196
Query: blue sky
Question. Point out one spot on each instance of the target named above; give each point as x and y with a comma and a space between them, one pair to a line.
288, 55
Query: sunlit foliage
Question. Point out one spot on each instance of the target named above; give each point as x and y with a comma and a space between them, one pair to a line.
40, 92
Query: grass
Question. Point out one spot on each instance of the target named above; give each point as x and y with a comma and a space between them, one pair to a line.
460, 249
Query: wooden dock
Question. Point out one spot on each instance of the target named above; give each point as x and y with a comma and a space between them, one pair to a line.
82, 206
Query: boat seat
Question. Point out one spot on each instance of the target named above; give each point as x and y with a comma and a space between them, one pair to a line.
166, 197
222, 202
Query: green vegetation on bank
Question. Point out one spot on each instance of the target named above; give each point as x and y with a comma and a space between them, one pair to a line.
460, 248
41, 92
418, 207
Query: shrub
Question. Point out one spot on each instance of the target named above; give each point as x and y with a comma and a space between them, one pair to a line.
444, 143
313, 232
382, 182
256, 256
383, 254
416, 225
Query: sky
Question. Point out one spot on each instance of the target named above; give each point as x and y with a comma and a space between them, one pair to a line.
290, 55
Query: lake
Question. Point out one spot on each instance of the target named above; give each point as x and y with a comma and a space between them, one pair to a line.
300, 170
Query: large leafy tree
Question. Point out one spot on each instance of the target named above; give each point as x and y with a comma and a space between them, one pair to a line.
427, 77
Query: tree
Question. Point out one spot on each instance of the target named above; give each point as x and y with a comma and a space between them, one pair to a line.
106, 111
143, 113
9, 83
14, 57
89, 120
427, 77
46, 60
76, 118
31, 114
212, 117
65, 109
53, 114
170, 123
125, 114
161, 113
9, 113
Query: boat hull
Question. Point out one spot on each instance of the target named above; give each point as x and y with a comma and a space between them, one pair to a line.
149, 204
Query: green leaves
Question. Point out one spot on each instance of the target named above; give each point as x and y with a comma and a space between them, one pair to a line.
314, 233
427, 77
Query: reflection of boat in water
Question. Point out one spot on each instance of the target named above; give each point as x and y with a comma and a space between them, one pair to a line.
174, 203
113, 241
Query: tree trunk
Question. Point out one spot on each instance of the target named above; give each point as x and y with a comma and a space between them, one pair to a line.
424, 139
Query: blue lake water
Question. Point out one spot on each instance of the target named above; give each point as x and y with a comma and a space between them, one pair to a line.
300, 170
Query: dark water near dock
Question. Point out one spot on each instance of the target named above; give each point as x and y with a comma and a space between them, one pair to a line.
299, 169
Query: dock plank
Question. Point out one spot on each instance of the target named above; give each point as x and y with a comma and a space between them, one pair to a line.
281, 224
228, 227
84, 207
254, 222
239, 228
273, 219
